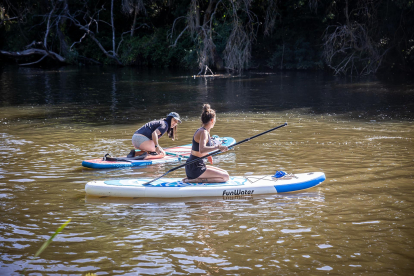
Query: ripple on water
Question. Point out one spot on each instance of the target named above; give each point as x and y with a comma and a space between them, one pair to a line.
22, 180
4, 195
325, 268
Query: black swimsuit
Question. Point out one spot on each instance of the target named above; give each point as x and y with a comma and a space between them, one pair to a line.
197, 168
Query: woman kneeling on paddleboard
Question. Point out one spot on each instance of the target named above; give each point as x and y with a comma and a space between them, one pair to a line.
202, 145
146, 138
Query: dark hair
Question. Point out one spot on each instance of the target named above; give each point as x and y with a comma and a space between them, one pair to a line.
207, 114
172, 132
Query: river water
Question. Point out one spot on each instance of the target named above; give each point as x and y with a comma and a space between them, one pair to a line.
359, 132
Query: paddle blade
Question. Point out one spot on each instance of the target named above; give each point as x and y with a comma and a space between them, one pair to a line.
210, 159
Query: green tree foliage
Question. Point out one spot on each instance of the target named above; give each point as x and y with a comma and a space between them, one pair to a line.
347, 36
152, 49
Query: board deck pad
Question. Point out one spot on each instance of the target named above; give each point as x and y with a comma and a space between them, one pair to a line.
174, 154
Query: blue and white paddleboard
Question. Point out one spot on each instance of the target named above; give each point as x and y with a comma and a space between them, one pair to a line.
174, 187
174, 154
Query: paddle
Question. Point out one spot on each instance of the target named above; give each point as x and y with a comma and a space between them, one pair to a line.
213, 153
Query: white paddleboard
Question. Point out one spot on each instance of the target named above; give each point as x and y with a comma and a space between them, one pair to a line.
174, 187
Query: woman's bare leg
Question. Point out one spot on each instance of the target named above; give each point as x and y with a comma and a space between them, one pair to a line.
215, 168
150, 146
211, 174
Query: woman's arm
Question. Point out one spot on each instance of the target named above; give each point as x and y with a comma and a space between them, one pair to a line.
204, 149
158, 148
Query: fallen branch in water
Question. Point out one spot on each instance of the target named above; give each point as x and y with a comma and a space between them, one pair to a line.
205, 72
34, 51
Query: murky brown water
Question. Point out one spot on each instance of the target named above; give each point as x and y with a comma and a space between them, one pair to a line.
359, 221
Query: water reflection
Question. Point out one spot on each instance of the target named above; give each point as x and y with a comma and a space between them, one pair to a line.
133, 94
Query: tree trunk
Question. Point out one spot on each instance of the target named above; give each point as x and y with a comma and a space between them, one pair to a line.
135, 20
218, 61
64, 48
48, 26
197, 15
113, 27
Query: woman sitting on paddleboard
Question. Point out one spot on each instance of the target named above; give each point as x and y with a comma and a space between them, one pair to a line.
202, 145
146, 138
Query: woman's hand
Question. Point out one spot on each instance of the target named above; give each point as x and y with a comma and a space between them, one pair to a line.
159, 150
223, 148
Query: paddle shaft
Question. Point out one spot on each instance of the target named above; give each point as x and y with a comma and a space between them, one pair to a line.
214, 153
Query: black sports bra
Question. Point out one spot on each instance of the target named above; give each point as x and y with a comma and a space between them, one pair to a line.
196, 146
